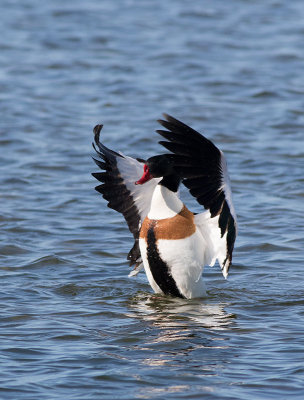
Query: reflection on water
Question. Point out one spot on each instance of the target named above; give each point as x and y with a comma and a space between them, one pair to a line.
156, 391
151, 392
178, 333
167, 312
185, 324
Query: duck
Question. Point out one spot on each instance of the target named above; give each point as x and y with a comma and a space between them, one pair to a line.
171, 243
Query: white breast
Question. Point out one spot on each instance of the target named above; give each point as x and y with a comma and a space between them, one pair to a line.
164, 203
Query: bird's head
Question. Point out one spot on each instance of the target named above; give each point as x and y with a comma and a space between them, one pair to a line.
156, 167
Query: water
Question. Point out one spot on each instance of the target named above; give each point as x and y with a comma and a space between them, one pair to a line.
73, 325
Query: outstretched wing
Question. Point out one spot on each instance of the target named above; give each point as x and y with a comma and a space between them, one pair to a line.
118, 177
202, 166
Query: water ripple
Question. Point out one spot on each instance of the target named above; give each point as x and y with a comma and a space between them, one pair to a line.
73, 324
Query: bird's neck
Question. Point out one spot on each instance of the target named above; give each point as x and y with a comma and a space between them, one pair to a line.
171, 182
164, 204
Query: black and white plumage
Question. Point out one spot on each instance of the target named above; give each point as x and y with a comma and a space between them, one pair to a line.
171, 243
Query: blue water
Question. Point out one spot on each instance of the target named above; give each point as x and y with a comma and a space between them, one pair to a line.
73, 325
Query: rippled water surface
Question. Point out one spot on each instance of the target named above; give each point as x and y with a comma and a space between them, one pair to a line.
73, 325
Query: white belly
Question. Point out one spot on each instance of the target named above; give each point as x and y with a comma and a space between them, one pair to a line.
185, 259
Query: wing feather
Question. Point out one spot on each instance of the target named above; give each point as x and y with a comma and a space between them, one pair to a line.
118, 176
202, 166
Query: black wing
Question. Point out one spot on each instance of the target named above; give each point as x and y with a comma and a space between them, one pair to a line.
118, 188
202, 166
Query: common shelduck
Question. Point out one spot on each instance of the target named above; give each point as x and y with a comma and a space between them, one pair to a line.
172, 243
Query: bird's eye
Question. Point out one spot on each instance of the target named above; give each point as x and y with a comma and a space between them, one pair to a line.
146, 168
